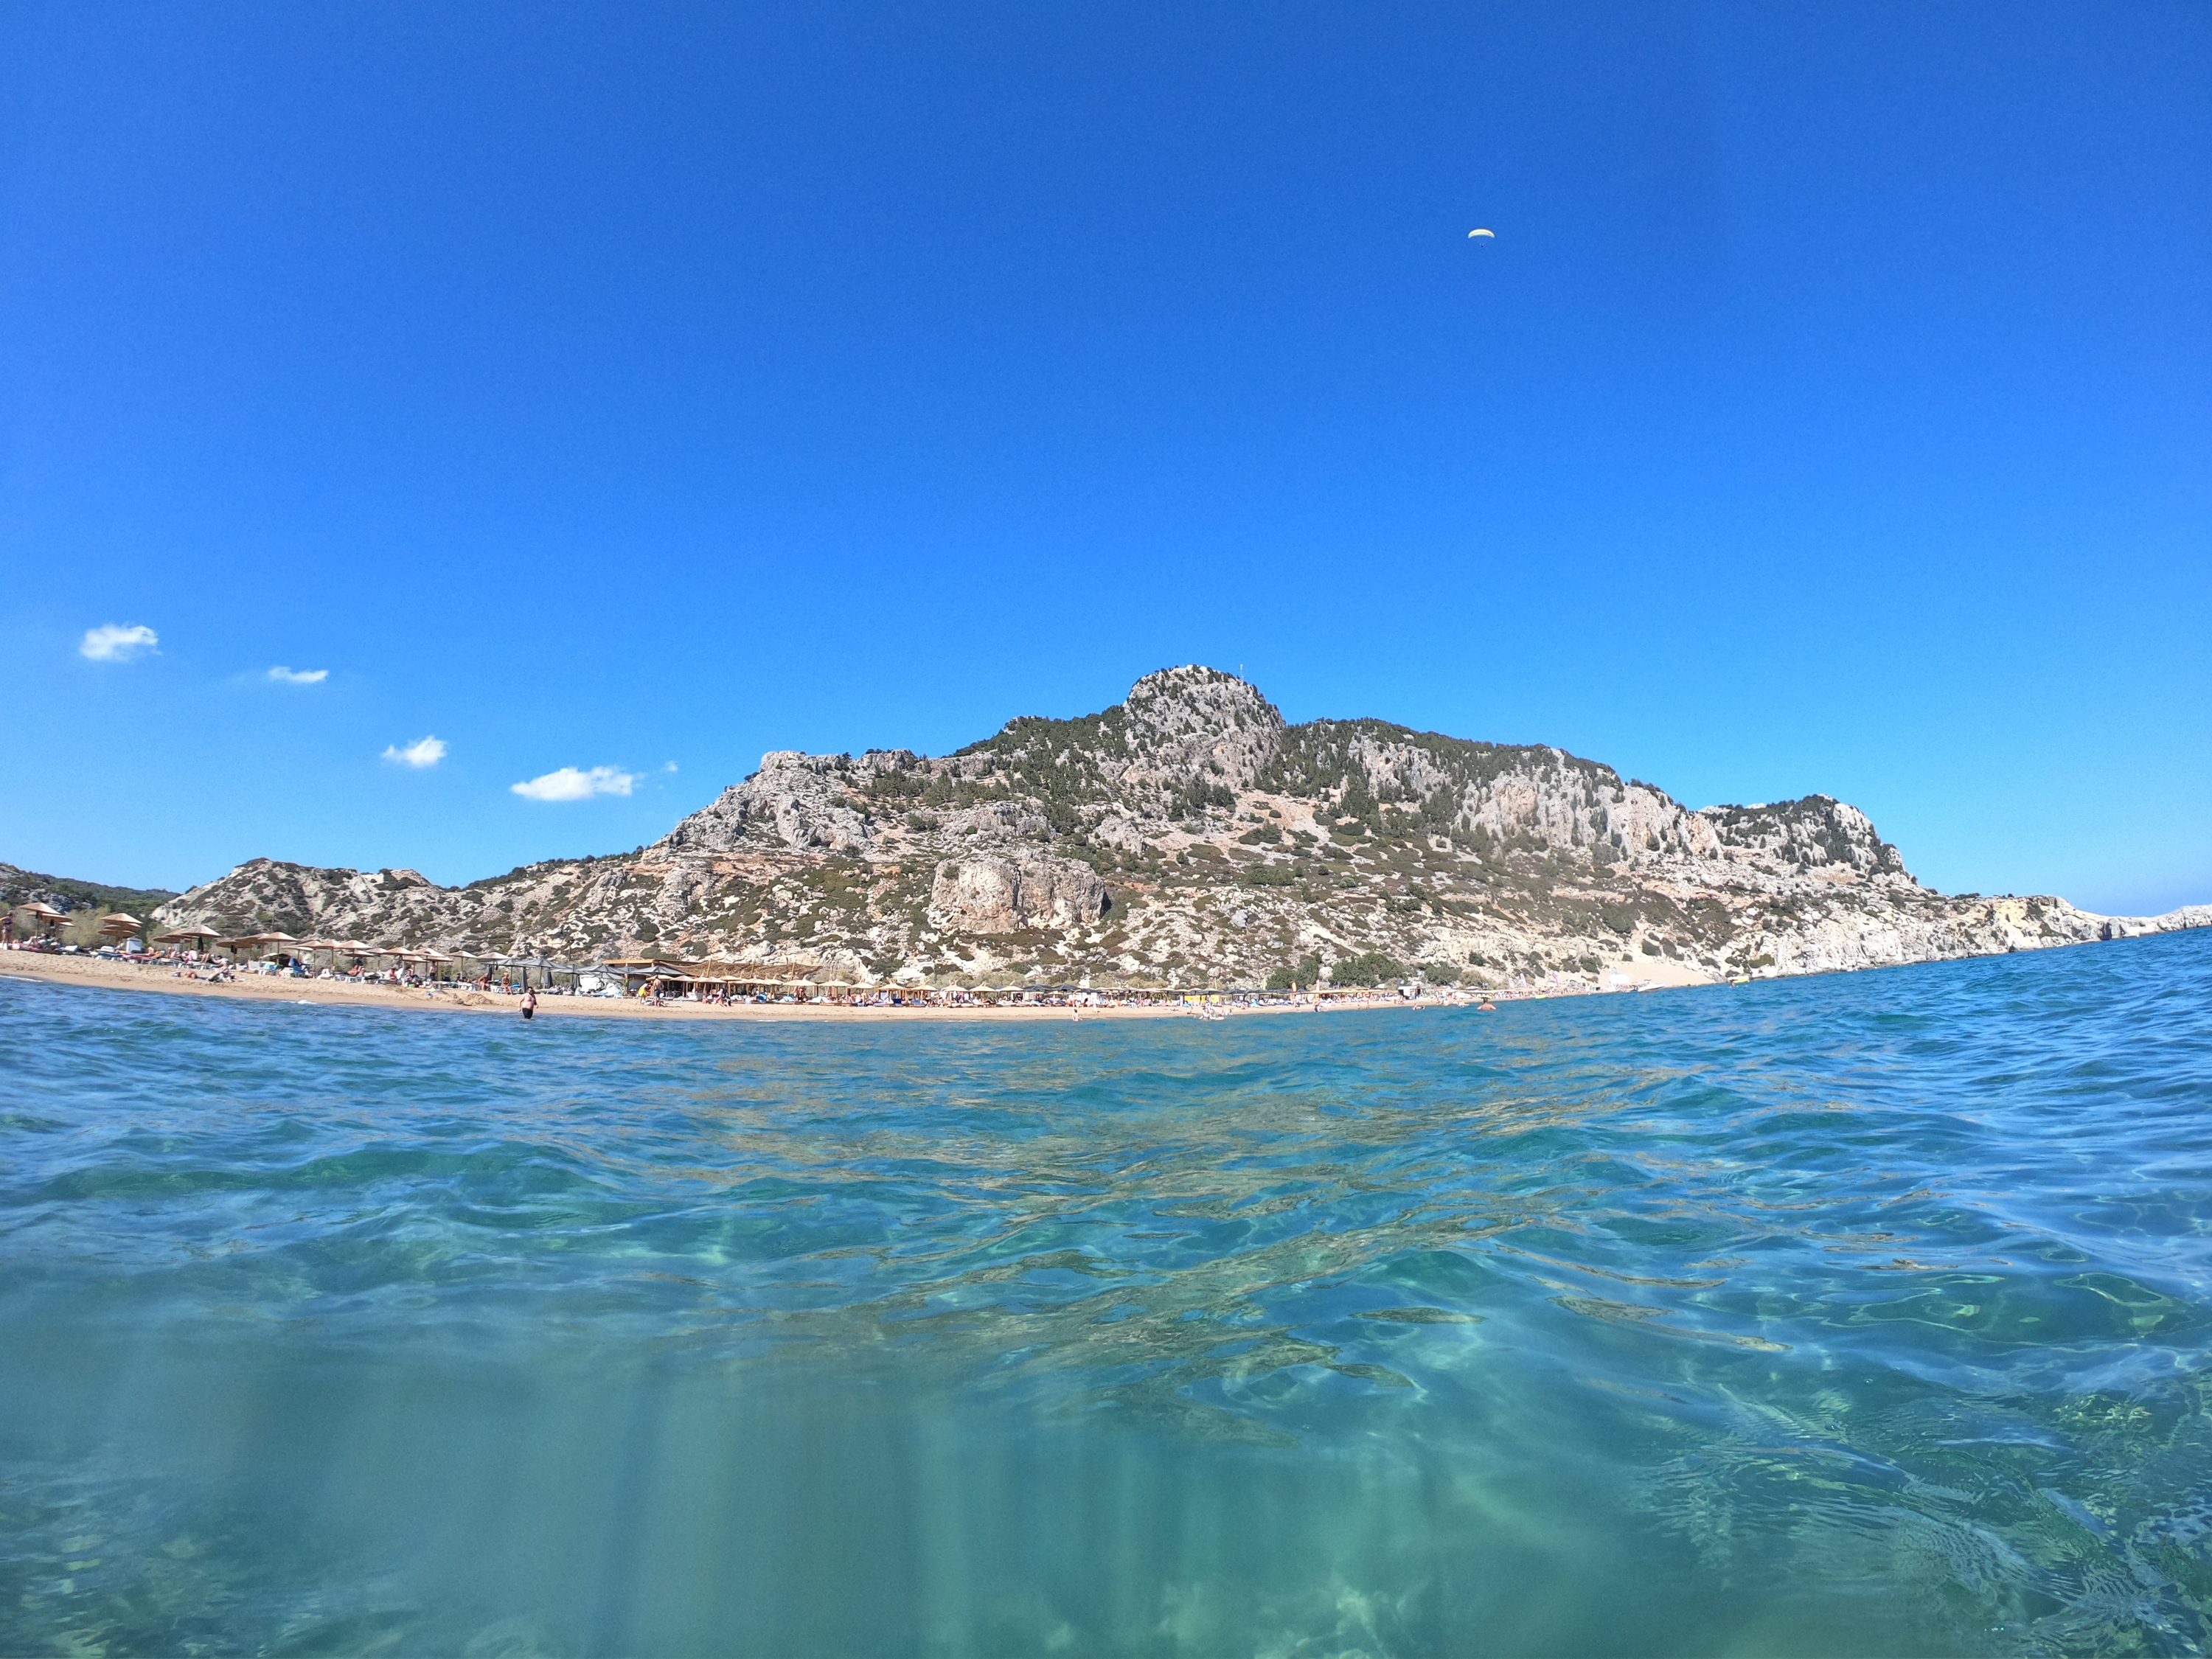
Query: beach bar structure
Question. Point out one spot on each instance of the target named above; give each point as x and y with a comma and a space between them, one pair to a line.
673, 976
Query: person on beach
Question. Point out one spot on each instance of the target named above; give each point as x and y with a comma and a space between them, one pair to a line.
529, 1004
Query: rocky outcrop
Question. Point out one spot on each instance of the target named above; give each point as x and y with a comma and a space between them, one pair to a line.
992, 896
1189, 834
1815, 832
804, 802
1199, 726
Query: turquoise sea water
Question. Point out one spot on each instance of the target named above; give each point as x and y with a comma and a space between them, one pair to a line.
1856, 1314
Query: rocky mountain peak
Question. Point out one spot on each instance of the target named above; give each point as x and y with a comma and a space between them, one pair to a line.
1199, 725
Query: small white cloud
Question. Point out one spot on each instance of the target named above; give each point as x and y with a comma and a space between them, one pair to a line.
112, 642
571, 784
299, 676
427, 752
671, 766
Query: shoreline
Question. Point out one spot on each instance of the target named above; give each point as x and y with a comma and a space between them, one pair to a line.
95, 973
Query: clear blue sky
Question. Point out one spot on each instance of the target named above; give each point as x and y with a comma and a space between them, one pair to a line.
611, 386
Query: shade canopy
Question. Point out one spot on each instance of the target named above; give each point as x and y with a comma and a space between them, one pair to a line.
39, 908
121, 921
176, 935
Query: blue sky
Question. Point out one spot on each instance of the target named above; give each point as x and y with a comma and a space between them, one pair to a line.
630, 389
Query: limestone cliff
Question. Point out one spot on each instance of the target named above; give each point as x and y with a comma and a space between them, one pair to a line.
1189, 835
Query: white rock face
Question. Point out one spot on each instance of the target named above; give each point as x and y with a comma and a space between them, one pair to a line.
990, 896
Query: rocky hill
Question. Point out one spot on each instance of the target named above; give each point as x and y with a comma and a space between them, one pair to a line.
1187, 836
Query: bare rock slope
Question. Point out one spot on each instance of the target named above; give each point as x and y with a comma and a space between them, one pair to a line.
1187, 836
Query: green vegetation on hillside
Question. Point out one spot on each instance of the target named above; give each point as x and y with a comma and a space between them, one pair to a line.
19, 886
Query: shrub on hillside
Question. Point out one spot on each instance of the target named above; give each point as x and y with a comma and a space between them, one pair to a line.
1368, 968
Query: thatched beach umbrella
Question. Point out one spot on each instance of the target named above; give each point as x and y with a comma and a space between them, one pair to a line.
196, 936
44, 917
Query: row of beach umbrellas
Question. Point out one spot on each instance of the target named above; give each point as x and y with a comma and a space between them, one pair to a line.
117, 924
121, 925
281, 944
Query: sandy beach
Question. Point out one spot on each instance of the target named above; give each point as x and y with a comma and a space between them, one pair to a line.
109, 974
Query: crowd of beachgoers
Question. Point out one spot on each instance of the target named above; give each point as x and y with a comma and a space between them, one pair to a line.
209, 967
291, 979
202, 957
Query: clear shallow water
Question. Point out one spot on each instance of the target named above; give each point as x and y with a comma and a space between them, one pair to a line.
1858, 1315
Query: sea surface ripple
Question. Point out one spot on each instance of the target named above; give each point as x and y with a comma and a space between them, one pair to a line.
1864, 1314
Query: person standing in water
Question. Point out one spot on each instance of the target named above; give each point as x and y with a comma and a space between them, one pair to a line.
529, 1004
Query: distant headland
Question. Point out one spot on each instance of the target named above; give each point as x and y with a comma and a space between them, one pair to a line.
1189, 835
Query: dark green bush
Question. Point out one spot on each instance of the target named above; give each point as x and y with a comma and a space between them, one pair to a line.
1368, 968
